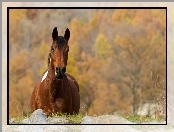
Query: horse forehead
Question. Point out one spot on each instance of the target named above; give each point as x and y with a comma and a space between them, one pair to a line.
60, 39
60, 42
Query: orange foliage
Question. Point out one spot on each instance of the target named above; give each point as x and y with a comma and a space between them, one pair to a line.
112, 54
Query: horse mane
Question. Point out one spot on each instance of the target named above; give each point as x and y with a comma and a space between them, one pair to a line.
49, 56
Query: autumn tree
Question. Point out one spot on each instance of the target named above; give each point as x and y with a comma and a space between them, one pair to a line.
21, 84
140, 53
117, 56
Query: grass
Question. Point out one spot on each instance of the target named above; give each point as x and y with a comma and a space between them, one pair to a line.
73, 119
18, 119
77, 119
139, 120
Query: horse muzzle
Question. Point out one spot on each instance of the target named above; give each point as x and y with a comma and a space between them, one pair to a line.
59, 72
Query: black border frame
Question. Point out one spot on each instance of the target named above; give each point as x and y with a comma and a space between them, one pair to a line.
8, 8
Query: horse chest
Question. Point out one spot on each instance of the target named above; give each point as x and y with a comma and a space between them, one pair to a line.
59, 92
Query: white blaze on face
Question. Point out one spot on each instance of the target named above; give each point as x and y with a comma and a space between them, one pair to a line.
45, 75
55, 73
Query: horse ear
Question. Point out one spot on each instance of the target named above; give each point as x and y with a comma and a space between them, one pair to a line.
55, 33
67, 34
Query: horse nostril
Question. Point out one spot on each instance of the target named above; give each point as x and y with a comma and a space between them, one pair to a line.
57, 69
60, 71
63, 70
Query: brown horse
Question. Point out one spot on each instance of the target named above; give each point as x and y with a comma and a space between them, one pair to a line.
57, 92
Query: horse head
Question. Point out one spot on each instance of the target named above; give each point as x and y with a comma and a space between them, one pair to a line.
59, 53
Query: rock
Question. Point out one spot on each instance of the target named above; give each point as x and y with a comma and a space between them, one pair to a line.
37, 117
51, 120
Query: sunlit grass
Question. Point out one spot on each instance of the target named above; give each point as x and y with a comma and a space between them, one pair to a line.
77, 119
19, 119
73, 119
145, 119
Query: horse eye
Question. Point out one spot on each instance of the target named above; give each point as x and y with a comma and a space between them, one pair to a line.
52, 49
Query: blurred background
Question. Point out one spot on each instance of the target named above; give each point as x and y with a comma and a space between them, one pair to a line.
118, 57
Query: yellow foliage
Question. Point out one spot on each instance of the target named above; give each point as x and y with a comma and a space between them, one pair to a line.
93, 21
16, 15
121, 42
109, 53
123, 15
102, 48
21, 83
75, 29
107, 96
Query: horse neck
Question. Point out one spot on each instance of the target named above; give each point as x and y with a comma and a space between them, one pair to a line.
51, 75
